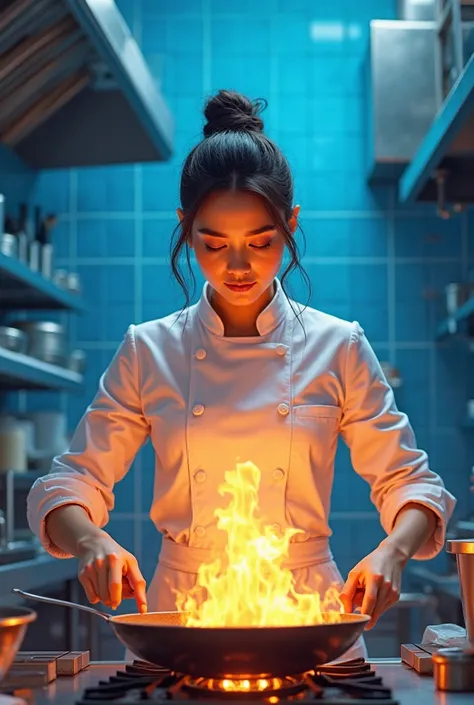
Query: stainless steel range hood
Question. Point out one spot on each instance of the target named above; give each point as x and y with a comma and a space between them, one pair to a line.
420, 103
75, 89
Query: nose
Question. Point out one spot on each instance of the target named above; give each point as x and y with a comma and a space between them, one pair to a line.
238, 263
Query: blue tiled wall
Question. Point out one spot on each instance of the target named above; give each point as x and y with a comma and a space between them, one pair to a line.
368, 259
16, 182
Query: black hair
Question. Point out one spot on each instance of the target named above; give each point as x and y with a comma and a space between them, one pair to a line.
235, 155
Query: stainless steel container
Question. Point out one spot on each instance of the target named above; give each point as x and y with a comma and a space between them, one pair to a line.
73, 283
453, 669
464, 552
456, 295
13, 339
47, 260
22, 239
60, 278
34, 256
46, 340
8, 244
77, 361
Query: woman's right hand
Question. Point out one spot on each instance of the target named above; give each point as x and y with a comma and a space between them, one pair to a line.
108, 573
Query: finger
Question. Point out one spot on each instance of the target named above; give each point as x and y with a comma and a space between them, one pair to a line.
102, 571
382, 604
349, 590
88, 588
91, 575
115, 568
372, 586
137, 583
127, 590
358, 599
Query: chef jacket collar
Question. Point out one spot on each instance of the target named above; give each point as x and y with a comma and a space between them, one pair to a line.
267, 320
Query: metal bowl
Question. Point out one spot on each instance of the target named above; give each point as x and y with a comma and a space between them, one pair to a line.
13, 625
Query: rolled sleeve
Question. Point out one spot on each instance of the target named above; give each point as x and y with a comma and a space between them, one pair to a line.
383, 446
102, 449
430, 495
55, 490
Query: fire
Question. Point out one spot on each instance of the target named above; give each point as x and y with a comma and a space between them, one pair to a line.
245, 685
248, 586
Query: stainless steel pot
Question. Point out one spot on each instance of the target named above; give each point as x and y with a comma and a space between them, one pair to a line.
13, 339
454, 669
46, 340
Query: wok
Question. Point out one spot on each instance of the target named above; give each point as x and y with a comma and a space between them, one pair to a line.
163, 639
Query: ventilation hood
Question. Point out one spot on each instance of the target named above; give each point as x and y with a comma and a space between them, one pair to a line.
442, 168
75, 88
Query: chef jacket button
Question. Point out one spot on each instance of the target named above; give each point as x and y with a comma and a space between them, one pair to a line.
276, 528
200, 531
201, 354
200, 476
281, 350
283, 409
278, 474
198, 409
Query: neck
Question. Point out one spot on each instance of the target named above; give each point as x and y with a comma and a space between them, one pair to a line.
240, 321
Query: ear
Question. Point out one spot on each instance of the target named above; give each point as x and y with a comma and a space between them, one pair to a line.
180, 214
293, 221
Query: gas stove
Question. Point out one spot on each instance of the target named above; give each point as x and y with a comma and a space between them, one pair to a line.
349, 683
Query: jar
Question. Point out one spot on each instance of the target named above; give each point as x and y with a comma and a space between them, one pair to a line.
13, 451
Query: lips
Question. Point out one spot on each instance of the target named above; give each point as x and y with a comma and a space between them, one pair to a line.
240, 287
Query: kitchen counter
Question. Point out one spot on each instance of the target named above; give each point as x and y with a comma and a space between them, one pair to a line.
408, 687
34, 574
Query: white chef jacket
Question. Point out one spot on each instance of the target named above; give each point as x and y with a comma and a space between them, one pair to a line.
279, 399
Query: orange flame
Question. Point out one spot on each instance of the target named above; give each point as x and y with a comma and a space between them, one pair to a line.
249, 586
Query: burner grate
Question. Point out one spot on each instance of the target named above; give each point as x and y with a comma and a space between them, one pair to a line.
350, 683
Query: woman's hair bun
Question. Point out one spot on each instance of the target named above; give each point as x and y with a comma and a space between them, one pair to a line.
232, 111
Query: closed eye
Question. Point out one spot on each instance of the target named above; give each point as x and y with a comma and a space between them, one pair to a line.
255, 247
262, 247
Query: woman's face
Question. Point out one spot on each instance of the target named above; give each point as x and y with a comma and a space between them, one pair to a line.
235, 242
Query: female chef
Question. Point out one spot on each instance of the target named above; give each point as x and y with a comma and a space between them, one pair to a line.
249, 374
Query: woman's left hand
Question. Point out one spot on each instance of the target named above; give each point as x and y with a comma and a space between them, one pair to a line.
374, 583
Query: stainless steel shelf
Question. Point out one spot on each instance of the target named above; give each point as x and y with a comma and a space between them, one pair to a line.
34, 574
447, 145
463, 312
20, 288
18, 371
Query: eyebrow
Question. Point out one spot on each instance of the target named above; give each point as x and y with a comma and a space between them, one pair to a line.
257, 231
